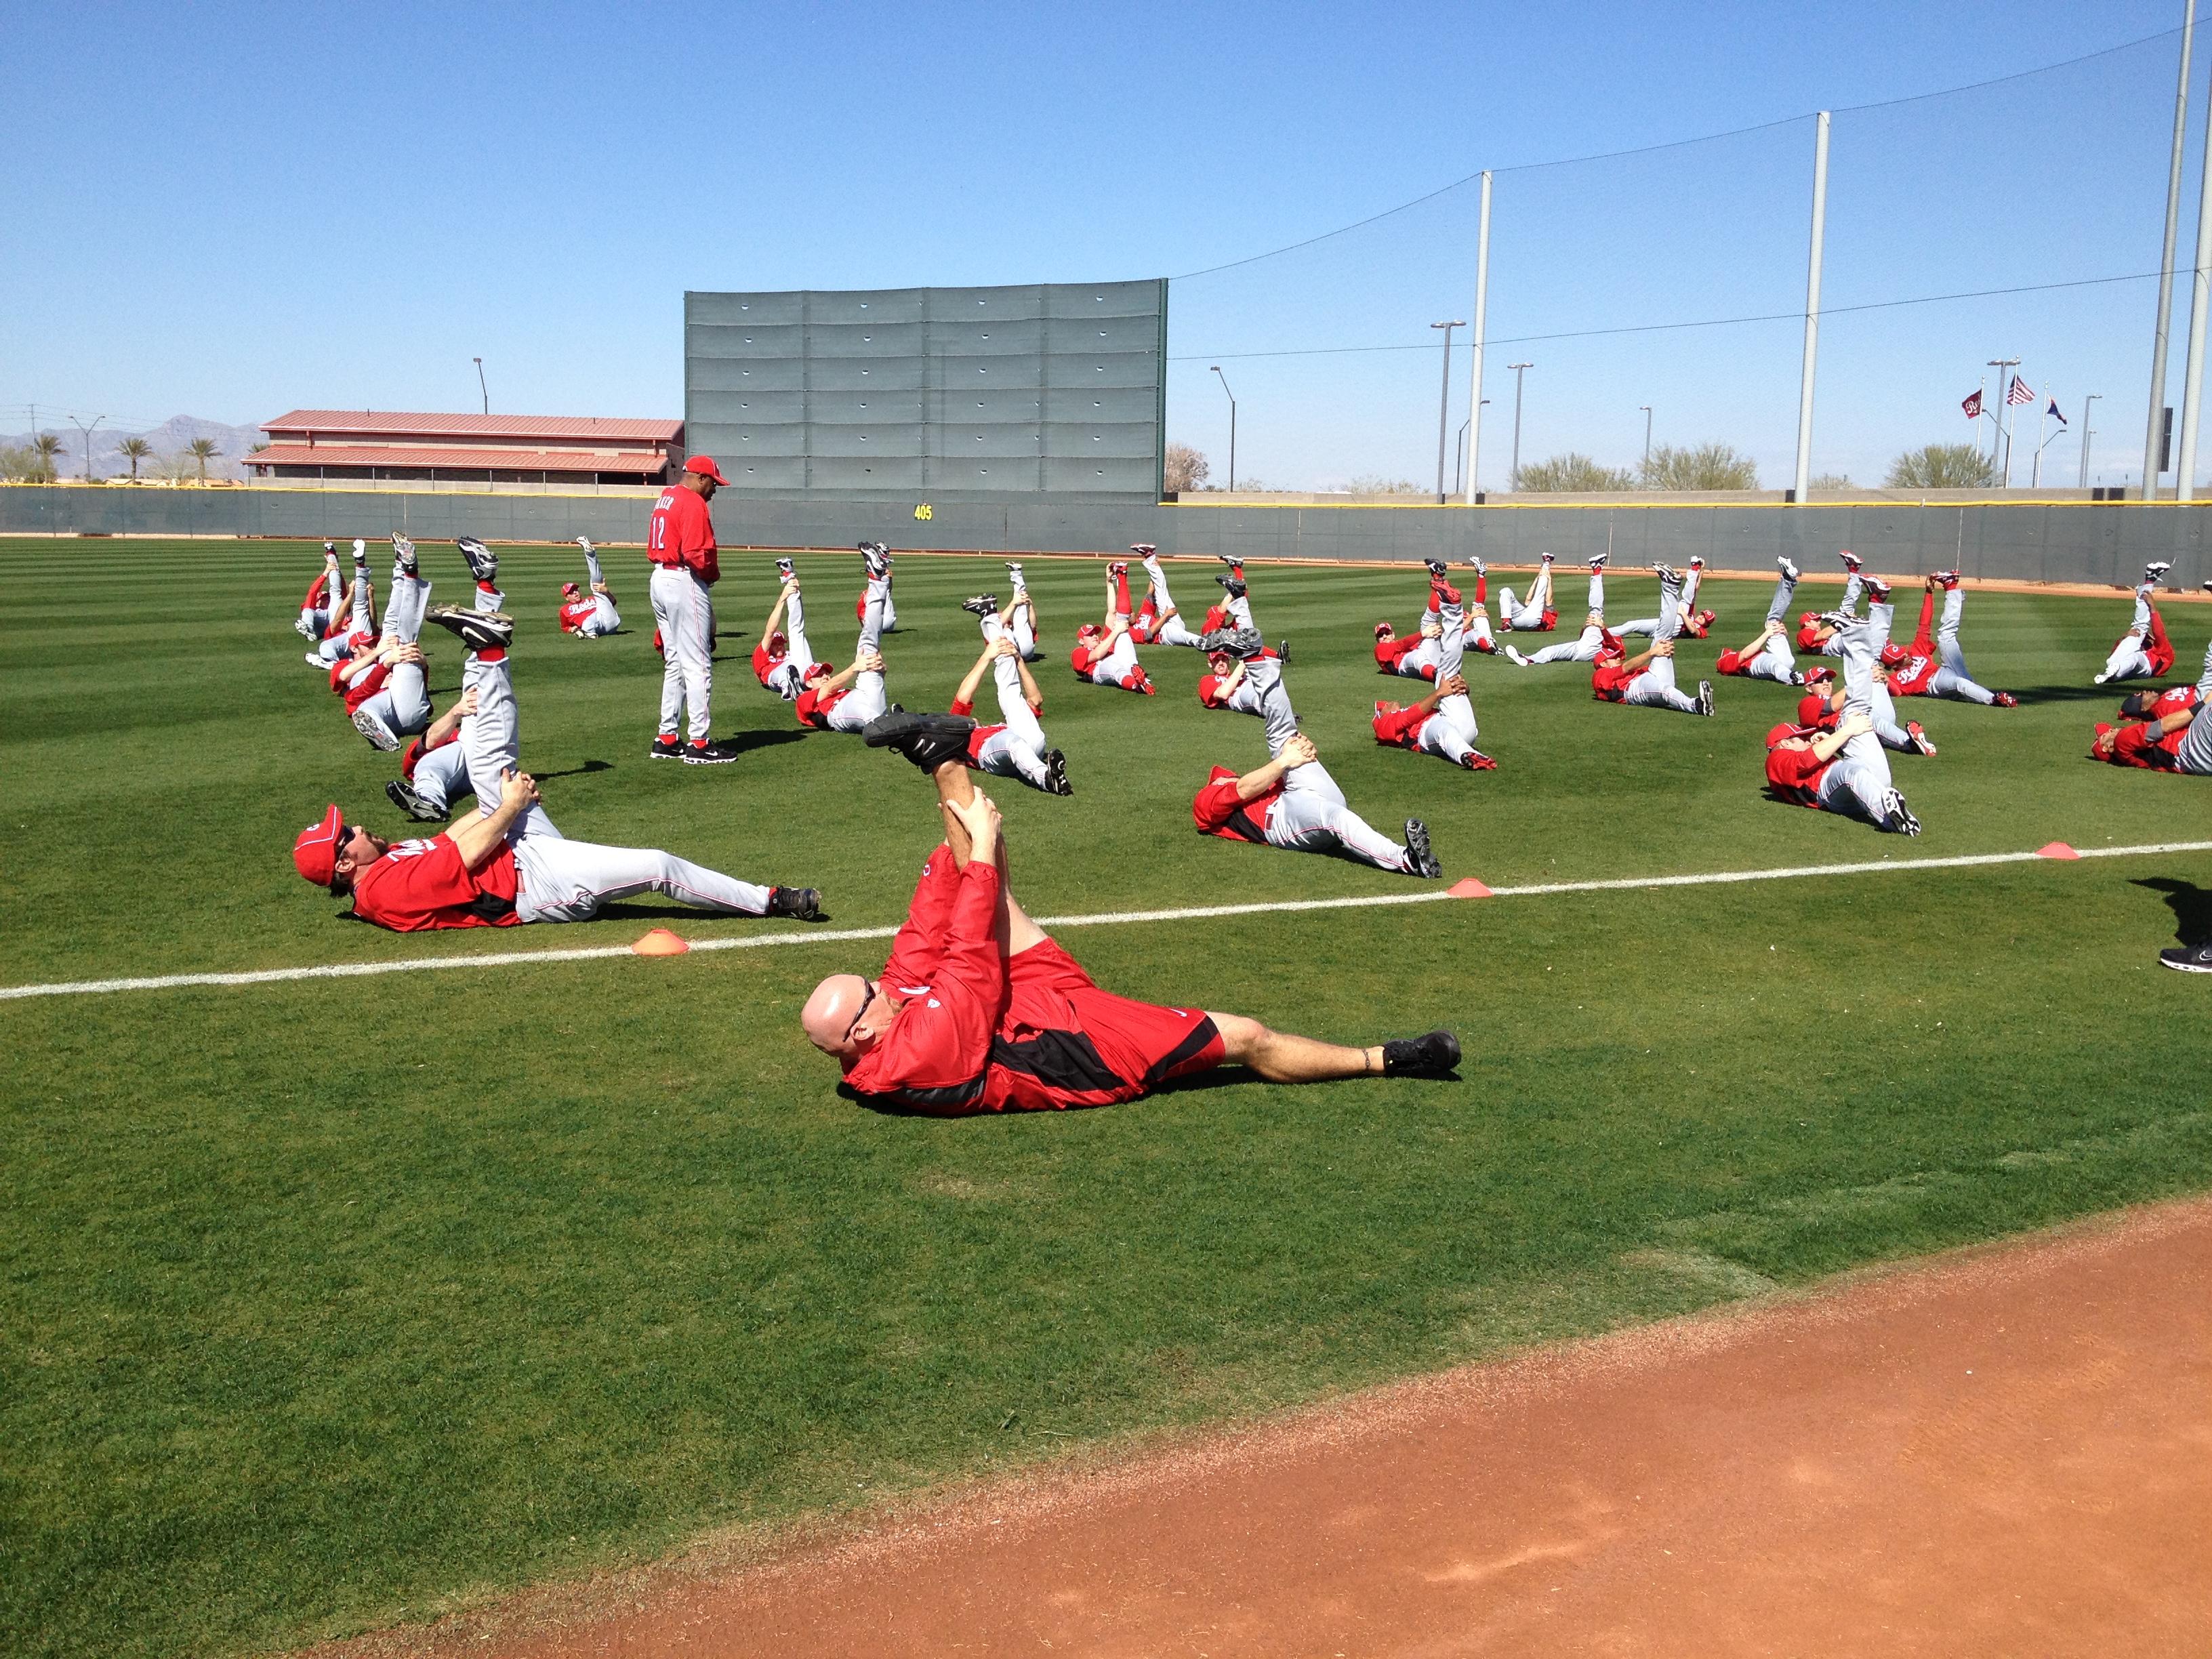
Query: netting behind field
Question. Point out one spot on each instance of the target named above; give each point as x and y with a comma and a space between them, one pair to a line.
1674, 278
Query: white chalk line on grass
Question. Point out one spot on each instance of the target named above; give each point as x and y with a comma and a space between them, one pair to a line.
1106, 919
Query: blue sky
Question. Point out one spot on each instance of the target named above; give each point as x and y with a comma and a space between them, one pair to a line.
229, 211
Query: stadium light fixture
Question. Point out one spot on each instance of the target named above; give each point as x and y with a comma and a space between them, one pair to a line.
1232, 428
1443, 404
480, 386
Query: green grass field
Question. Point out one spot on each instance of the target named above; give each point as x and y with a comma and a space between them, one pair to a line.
333, 1304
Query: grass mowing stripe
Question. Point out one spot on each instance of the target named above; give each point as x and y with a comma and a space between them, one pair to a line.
1106, 919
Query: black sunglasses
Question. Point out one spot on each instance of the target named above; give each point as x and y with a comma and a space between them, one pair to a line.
869, 989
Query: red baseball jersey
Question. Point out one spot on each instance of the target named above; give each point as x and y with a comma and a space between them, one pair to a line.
764, 664
574, 613
1210, 692
813, 706
1217, 811
2173, 700
1403, 728
1812, 710
421, 884
2146, 746
316, 589
1795, 774
362, 686
1388, 653
681, 532
1609, 680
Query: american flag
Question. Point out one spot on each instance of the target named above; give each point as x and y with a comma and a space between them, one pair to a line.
1973, 405
2019, 393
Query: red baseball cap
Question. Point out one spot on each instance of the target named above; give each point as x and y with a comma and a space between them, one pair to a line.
1783, 733
316, 851
1815, 676
2097, 747
1892, 655
704, 465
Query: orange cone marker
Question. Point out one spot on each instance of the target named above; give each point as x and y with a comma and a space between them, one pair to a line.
1469, 888
660, 943
2057, 849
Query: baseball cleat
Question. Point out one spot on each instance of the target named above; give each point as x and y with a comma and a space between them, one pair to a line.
1879, 588
403, 552
365, 723
1419, 859
701, 752
1946, 579
1232, 586
479, 630
1514, 656
2189, 958
1436, 568
315, 660
1117, 567
1894, 817
1282, 652
1705, 696
1143, 549
983, 604
785, 569
1696, 561
2156, 568
1433, 1056
1243, 643
1543, 558
1014, 571
1056, 774
330, 549
1920, 739
928, 740
1229, 559
483, 563
1476, 760
1851, 561
1787, 569
360, 550
1597, 562
1667, 575
2099, 679
585, 542
1796, 678
404, 798
799, 903
2004, 700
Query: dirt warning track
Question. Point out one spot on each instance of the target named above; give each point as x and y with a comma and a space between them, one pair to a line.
2007, 1450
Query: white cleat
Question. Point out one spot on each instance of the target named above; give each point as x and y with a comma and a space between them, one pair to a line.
1516, 658
2099, 679
1788, 568
585, 542
1705, 696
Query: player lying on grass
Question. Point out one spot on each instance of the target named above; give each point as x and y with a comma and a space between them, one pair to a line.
325, 606
2143, 652
1817, 629
781, 662
434, 769
589, 615
1767, 656
1016, 747
2171, 737
1416, 656
1937, 668
1156, 619
1442, 723
1107, 654
978, 1010
1647, 680
505, 863
1534, 615
1021, 614
1225, 684
385, 695
878, 556
845, 701
1688, 619
1844, 770
1585, 647
352, 617
1822, 706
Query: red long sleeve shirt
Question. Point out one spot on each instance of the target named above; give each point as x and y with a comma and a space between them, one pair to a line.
681, 533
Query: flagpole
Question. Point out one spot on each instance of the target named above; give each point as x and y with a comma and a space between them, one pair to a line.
2153, 428
1812, 310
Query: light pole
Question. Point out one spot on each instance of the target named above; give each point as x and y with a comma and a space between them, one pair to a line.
1232, 429
1513, 478
2004, 395
88, 431
1459, 454
481, 387
1646, 408
2081, 481
1443, 404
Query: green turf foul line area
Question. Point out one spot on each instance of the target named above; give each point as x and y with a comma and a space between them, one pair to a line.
1104, 919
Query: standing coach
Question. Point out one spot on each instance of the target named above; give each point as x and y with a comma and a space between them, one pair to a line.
680, 542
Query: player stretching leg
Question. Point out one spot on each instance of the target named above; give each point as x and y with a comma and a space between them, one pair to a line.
1021, 614
352, 611
2143, 651
1818, 631
1292, 803
325, 602
979, 1011
1689, 619
1844, 770
1767, 656
1158, 618
383, 685
878, 554
589, 614
1537, 615
1442, 723
1647, 680
1018, 747
1593, 634
1478, 636
1939, 669
781, 662
1107, 655
1414, 657
846, 702
2172, 738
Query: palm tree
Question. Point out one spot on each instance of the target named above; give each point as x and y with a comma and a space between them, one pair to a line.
137, 449
203, 450
46, 446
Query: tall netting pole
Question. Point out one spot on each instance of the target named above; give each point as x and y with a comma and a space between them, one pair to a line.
2200, 299
2153, 424
1474, 371
1812, 307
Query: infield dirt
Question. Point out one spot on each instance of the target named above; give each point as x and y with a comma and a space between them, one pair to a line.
2005, 1449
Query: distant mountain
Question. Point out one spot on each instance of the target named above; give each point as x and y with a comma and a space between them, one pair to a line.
167, 439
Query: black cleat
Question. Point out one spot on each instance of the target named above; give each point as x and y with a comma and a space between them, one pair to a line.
1436, 567
402, 553
1424, 860
1233, 585
479, 630
799, 903
2189, 958
1056, 774
483, 563
783, 569
1241, 642
983, 604
1433, 1056
1282, 652
708, 754
404, 798
928, 740
1895, 815
1705, 696
666, 748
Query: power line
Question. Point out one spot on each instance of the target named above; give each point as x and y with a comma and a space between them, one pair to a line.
1673, 143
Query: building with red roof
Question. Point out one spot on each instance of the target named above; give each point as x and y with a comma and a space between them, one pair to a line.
342, 444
